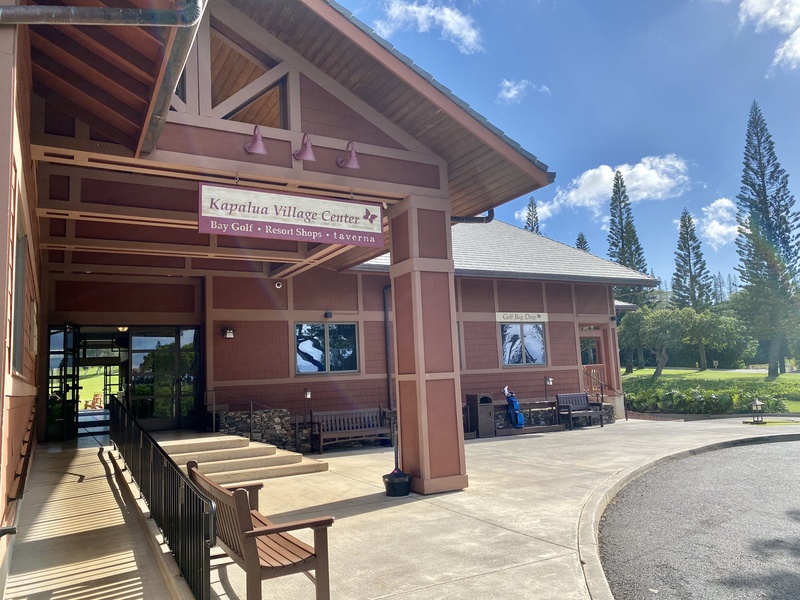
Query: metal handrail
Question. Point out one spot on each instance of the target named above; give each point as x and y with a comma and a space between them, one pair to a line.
185, 516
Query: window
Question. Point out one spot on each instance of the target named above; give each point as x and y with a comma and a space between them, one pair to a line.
19, 307
523, 343
326, 347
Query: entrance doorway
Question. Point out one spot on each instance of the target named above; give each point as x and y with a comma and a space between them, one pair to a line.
164, 367
153, 370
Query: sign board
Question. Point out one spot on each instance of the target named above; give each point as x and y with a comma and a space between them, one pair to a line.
226, 210
515, 317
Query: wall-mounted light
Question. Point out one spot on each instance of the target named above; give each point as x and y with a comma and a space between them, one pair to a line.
306, 151
122, 328
256, 145
228, 333
278, 285
349, 160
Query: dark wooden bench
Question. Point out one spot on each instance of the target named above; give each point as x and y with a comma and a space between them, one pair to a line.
572, 406
262, 548
330, 427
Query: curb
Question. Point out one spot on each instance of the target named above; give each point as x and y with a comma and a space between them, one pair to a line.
593, 509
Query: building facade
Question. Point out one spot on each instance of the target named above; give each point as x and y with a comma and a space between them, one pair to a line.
108, 134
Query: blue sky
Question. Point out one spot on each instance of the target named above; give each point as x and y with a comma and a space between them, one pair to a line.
659, 89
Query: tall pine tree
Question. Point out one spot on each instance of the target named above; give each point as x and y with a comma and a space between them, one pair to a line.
624, 247
532, 217
692, 286
767, 242
582, 243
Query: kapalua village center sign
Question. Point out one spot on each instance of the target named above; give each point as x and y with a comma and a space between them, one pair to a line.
247, 212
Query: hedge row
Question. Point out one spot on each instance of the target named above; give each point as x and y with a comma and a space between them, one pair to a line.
701, 402
716, 398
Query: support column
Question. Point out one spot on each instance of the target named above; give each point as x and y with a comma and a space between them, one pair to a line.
428, 382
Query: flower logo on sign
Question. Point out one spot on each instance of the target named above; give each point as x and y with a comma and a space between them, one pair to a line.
369, 216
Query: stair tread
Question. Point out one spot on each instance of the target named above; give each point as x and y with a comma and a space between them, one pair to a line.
250, 475
235, 459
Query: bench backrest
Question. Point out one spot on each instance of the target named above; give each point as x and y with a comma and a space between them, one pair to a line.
580, 400
348, 420
233, 516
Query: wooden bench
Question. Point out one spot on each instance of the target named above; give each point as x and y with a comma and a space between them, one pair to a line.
330, 427
572, 406
262, 548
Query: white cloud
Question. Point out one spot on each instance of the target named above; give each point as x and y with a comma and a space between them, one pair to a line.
512, 92
718, 225
788, 54
783, 15
652, 178
455, 26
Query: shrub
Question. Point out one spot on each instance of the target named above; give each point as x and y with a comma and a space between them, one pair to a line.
694, 400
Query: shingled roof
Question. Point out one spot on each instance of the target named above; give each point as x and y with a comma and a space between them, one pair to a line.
503, 251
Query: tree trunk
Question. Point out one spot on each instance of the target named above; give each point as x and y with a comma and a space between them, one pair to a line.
774, 356
701, 348
628, 362
661, 361
641, 357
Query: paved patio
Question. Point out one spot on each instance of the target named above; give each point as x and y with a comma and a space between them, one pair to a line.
525, 528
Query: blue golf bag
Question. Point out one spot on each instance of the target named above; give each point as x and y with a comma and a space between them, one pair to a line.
516, 418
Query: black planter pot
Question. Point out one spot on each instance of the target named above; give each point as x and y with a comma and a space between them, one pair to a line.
397, 483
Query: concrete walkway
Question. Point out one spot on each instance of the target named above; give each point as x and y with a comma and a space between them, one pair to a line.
78, 536
525, 528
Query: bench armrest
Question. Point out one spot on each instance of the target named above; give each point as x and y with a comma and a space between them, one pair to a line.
292, 526
252, 490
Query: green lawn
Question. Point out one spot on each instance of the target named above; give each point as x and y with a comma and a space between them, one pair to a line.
91, 384
709, 375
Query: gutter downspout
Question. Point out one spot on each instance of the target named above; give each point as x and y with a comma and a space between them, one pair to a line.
388, 349
487, 219
189, 16
187, 20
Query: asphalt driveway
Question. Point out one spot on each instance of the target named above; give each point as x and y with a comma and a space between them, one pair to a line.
719, 525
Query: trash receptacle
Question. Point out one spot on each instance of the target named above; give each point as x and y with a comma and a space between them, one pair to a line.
481, 414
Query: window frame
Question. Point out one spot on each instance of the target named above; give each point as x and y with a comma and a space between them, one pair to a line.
326, 351
525, 362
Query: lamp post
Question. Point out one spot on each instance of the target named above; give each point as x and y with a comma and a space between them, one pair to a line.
306, 398
757, 407
548, 381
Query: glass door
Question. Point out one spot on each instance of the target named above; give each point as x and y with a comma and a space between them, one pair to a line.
63, 388
164, 368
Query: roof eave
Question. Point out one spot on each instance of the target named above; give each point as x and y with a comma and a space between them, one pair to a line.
419, 79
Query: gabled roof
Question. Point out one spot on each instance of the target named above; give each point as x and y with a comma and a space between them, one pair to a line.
120, 79
485, 167
503, 251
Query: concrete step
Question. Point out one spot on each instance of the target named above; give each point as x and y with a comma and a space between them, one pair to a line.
202, 457
182, 442
306, 465
273, 459
233, 459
